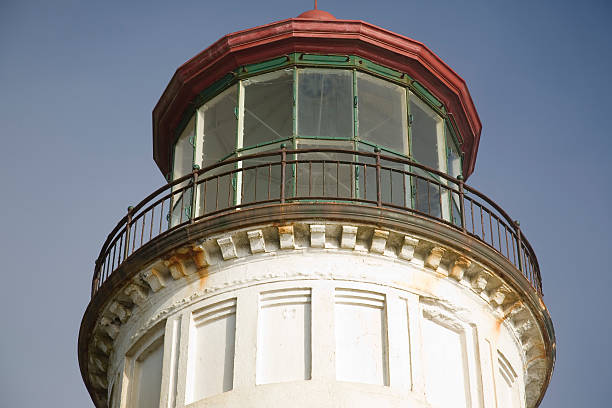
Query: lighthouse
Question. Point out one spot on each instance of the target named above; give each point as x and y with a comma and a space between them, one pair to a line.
317, 243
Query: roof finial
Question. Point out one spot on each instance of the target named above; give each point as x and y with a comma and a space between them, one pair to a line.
316, 14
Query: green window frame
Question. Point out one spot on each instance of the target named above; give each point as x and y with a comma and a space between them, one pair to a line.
303, 61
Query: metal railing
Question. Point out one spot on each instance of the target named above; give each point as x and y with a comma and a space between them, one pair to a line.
317, 175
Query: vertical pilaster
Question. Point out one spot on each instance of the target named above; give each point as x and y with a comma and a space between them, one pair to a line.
245, 355
182, 381
416, 348
323, 335
398, 343
488, 374
172, 342
474, 358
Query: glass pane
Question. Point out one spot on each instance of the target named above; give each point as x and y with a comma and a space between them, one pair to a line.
183, 151
365, 175
427, 134
181, 206
453, 165
395, 180
219, 126
382, 113
268, 107
426, 193
183, 164
325, 103
261, 179
324, 174
395, 184
453, 156
217, 189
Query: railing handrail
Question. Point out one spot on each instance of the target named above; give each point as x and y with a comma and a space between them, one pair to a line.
450, 186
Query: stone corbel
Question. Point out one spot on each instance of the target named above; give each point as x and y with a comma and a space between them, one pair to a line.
513, 310
498, 295
98, 362
120, 311
136, 293
459, 267
176, 267
200, 257
435, 256
256, 241
536, 352
103, 345
479, 282
524, 327
110, 327
349, 237
154, 276
317, 236
228, 249
285, 234
527, 343
99, 381
408, 247
379, 241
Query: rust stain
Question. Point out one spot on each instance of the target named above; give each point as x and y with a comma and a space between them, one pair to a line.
402, 284
426, 283
203, 272
497, 327
177, 257
285, 229
199, 257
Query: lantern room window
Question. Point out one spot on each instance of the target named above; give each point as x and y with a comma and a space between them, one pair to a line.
325, 103
268, 108
307, 106
427, 129
217, 121
382, 113
183, 151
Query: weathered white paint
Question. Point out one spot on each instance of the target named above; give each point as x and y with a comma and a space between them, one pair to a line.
331, 325
361, 337
444, 358
211, 350
284, 341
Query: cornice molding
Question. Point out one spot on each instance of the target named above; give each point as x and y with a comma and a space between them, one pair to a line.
205, 256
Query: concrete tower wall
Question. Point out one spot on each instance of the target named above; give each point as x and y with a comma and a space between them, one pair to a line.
313, 314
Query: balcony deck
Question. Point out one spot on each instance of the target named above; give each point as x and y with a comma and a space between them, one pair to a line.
329, 182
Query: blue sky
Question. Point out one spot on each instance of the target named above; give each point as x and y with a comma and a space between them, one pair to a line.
78, 82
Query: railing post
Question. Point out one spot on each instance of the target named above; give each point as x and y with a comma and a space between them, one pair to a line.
519, 243
461, 203
378, 180
194, 201
128, 227
283, 172
96, 279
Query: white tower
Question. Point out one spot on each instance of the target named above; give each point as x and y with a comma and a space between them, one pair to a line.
316, 245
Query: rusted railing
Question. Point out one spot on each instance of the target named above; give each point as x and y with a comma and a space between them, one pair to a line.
317, 175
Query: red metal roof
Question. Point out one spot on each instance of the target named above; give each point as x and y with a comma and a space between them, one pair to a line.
316, 32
